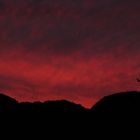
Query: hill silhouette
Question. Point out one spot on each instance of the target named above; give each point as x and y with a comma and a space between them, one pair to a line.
120, 110
7, 104
120, 103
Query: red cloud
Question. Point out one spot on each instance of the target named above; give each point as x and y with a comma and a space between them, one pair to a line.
77, 50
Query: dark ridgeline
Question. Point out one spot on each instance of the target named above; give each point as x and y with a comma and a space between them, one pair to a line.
118, 111
119, 104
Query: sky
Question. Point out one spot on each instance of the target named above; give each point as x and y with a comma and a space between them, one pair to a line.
78, 50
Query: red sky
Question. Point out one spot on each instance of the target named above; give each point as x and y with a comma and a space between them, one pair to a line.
79, 50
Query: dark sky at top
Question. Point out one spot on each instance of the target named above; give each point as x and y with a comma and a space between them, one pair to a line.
80, 50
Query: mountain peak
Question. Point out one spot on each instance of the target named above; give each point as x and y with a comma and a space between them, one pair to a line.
6, 99
123, 103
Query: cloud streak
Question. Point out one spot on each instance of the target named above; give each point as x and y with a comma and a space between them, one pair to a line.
79, 50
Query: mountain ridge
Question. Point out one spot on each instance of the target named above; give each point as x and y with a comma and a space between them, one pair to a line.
115, 113
4, 98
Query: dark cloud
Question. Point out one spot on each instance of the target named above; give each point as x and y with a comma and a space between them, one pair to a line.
68, 48
12, 82
67, 24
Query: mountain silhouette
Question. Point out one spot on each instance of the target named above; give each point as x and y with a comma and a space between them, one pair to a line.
51, 109
120, 103
7, 104
120, 110
4, 99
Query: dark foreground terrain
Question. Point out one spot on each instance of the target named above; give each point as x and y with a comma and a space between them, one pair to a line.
116, 112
